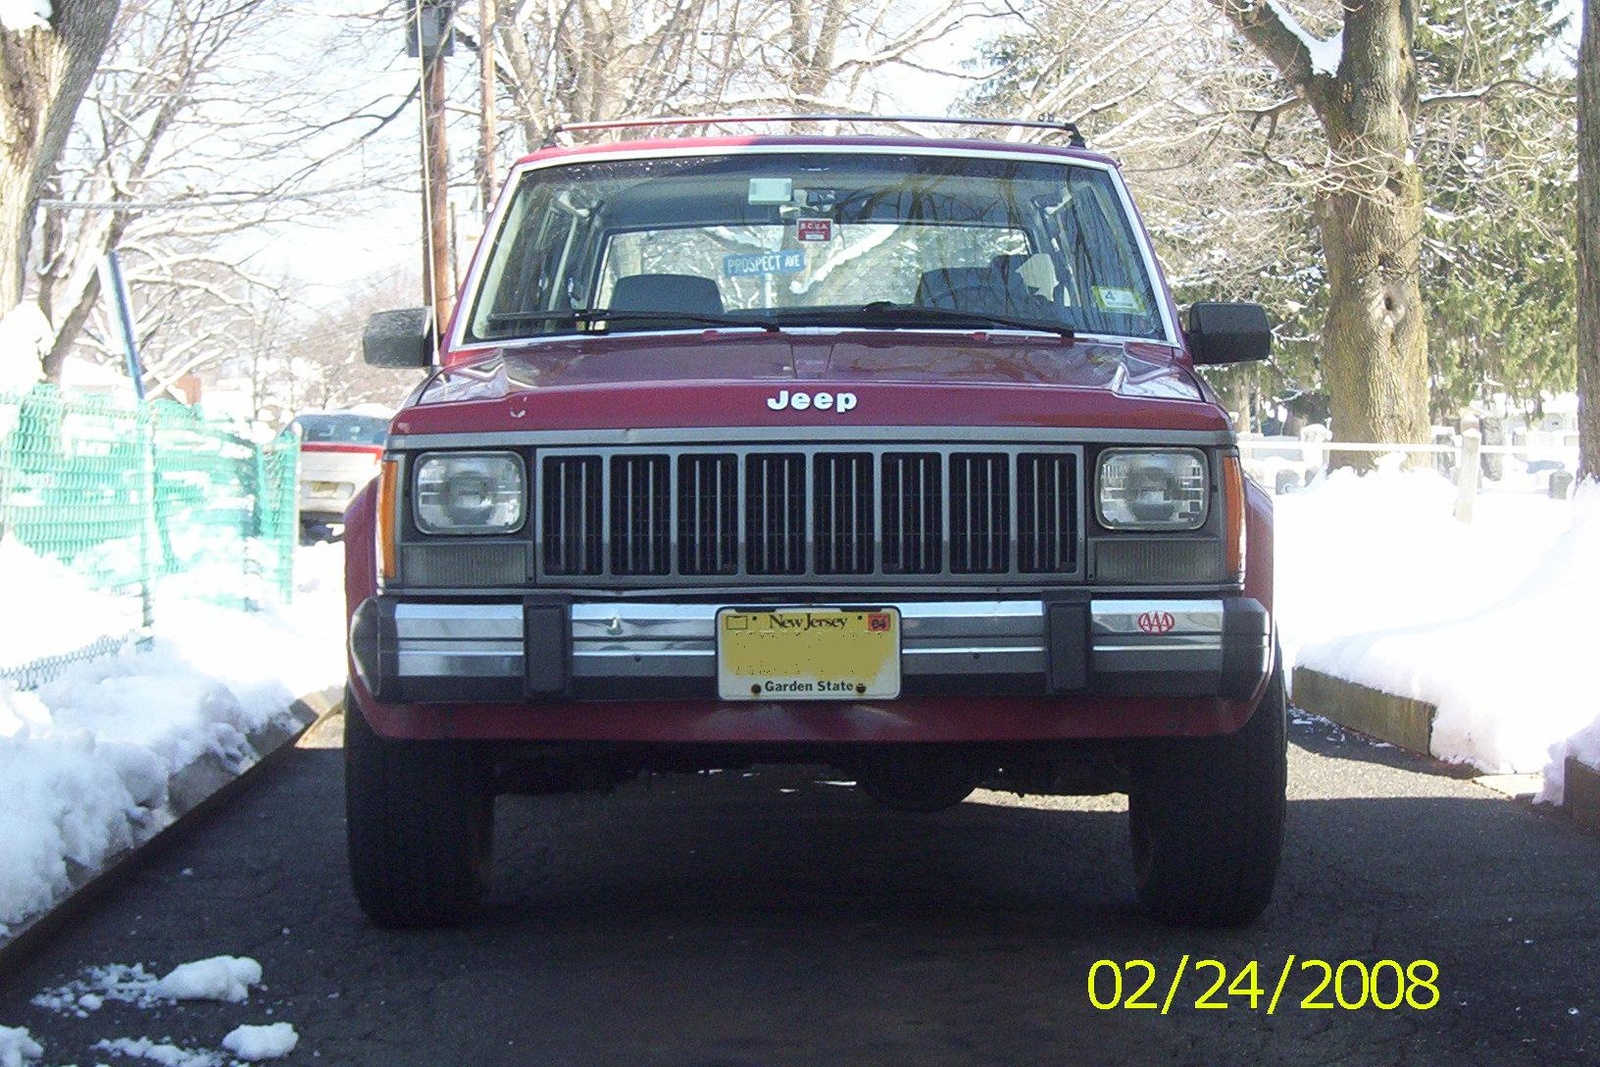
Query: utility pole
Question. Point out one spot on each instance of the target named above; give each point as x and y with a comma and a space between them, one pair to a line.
488, 15
431, 37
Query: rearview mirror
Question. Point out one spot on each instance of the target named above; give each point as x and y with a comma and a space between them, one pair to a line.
1228, 333
401, 339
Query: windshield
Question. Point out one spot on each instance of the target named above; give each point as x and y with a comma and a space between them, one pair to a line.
342, 429
818, 239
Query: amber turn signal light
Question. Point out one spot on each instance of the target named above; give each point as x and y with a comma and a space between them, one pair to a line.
388, 508
1233, 500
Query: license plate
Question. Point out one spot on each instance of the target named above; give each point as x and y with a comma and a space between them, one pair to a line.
808, 654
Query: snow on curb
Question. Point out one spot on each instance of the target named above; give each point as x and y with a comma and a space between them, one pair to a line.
189, 791
1488, 622
103, 758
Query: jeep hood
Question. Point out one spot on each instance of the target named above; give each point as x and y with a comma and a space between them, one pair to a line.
735, 378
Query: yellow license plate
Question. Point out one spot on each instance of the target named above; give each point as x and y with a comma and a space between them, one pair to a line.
808, 654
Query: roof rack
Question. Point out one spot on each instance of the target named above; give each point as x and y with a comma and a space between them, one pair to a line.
1074, 135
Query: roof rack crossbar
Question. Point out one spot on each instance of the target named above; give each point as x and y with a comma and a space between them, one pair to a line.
1074, 135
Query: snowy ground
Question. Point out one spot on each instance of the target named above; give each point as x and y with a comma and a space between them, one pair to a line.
1491, 622
85, 759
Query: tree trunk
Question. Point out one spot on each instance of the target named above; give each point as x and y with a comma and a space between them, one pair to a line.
43, 76
1374, 342
1369, 208
1589, 243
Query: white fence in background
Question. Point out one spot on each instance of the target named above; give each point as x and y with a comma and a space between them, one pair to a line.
1284, 464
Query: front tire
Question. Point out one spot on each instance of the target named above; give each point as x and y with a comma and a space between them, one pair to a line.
420, 826
1205, 820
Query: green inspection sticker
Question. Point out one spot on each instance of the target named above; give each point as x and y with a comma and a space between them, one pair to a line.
1108, 298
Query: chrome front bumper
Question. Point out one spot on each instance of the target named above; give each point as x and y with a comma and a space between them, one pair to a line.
441, 652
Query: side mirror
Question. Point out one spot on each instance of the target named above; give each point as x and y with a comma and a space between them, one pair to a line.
1228, 333
401, 339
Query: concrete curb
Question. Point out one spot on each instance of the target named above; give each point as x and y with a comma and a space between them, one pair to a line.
1409, 724
1581, 794
1397, 720
192, 791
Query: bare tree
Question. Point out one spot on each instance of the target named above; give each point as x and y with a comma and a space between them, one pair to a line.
199, 133
324, 343
587, 60
1589, 243
44, 72
1186, 112
120, 159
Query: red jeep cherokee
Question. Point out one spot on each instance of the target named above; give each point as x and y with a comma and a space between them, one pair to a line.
886, 453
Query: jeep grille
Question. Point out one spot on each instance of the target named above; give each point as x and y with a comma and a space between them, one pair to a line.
810, 513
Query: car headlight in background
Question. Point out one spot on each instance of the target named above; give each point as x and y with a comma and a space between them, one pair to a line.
470, 492
1139, 489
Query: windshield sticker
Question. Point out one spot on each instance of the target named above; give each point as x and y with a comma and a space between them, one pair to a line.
1127, 301
813, 230
744, 266
771, 190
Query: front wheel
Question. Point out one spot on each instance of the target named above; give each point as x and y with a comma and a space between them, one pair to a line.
420, 826
1205, 820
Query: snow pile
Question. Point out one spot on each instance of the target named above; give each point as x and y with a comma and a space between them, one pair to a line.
25, 334
16, 1045
78, 614
254, 1043
226, 978
1378, 584
87, 757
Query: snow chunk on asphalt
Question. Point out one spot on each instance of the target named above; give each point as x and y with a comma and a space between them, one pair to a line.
226, 978
166, 1055
90, 991
16, 1045
261, 1042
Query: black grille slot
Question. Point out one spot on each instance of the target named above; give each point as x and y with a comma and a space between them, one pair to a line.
1047, 536
571, 499
641, 523
775, 513
842, 512
913, 513
708, 514
980, 513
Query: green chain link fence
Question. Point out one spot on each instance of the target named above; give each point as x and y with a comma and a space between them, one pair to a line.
128, 497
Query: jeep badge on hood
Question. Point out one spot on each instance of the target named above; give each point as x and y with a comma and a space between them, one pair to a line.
840, 402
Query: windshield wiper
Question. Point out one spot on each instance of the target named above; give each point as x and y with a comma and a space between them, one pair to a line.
890, 314
590, 316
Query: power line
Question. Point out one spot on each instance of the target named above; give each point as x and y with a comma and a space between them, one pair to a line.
241, 200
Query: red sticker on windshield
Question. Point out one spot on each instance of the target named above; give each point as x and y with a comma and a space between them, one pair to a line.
813, 229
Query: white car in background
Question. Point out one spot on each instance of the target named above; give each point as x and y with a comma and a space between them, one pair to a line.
339, 454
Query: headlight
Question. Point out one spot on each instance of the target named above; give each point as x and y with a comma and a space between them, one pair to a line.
470, 492
1149, 490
